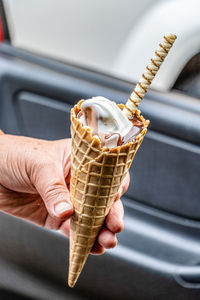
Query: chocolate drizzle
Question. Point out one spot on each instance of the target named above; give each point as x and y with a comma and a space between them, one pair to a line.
135, 130
130, 136
137, 127
79, 114
136, 121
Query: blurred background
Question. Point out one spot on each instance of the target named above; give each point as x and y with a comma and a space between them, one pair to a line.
113, 38
52, 54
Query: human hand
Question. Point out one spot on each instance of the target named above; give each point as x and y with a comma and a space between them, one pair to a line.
34, 185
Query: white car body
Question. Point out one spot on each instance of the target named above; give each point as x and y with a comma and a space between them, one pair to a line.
115, 37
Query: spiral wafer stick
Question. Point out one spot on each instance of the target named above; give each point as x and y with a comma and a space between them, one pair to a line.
149, 74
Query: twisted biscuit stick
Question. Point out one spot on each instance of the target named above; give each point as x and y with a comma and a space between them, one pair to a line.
149, 74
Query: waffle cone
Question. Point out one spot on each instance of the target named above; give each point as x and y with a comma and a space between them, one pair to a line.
96, 176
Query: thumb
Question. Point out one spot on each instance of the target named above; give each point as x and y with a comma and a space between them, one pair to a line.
51, 186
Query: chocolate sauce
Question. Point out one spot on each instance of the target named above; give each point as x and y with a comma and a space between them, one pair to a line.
130, 136
79, 114
136, 121
135, 130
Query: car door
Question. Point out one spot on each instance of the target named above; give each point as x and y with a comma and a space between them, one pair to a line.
158, 253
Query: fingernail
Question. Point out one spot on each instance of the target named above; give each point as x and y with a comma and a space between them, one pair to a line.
62, 207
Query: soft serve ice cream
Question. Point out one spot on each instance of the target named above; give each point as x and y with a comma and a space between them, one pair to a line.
97, 172
108, 122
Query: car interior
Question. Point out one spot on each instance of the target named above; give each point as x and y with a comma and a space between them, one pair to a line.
157, 256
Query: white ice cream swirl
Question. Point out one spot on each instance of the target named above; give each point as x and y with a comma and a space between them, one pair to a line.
105, 119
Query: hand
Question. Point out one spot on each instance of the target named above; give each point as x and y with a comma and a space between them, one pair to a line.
34, 185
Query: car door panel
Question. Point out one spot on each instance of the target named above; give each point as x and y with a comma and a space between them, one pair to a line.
158, 251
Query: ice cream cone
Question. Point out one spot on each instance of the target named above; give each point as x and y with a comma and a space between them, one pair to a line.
96, 176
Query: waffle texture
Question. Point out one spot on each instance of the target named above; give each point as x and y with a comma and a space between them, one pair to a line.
96, 176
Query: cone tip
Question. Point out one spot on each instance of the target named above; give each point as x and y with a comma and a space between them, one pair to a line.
72, 279
71, 283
